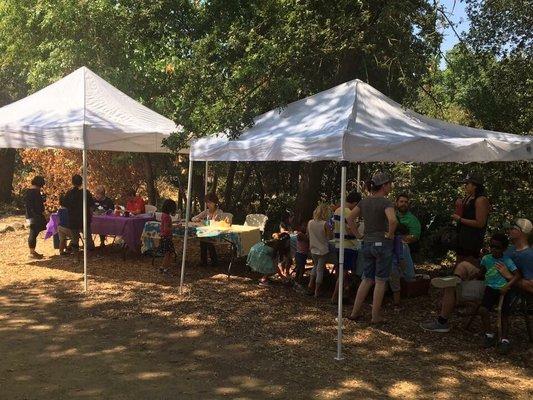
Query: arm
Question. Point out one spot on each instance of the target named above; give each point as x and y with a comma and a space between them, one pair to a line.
513, 280
199, 217
352, 221
393, 222
414, 231
328, 231
482, 213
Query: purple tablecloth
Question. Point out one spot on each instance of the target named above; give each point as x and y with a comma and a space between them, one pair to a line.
129, 228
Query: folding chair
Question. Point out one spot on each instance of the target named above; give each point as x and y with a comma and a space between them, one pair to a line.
258, 220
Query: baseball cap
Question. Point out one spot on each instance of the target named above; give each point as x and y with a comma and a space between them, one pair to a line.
381, 178
523, 225
476, 180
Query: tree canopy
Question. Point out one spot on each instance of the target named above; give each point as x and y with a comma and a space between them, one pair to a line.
214, 65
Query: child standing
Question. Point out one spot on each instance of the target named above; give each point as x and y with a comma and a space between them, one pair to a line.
166, 244
302, 252
497, 285
398, 264
319, 235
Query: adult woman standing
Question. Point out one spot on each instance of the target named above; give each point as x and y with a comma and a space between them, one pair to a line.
34, 204
471, 216
211, 213
380, 224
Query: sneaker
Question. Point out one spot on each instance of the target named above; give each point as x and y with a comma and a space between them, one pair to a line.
489, 341
504, 347
435, 326
35, 256
445, 281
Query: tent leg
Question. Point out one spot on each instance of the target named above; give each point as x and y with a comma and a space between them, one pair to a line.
359, 177
339, 356
205, 179
187, 218
85, 243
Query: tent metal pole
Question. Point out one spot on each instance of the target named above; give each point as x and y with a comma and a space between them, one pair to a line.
359, 177
205, 178
85, 242
339, 356
187, 219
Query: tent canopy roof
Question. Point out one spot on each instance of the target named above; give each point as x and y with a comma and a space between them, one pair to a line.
355, 122
83, 111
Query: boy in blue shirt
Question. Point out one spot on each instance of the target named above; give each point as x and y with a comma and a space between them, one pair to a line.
496, 284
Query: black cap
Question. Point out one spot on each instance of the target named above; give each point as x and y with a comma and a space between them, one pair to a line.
476, 180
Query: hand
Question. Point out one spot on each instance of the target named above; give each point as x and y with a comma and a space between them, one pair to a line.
360, 237
388, 236
502, 269
456, 217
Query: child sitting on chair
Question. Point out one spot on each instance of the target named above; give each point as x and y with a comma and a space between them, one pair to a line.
496, 286
166, 245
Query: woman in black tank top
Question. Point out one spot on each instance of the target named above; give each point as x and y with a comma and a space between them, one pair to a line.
472, 221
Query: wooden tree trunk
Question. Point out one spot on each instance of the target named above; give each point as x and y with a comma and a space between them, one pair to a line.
294, 175
261, 188
230, 180
308, 191
7, 170
150, 179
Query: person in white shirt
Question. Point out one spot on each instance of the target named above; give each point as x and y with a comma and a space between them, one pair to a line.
319, 234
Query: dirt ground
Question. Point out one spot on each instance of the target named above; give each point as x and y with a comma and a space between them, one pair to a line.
131, 336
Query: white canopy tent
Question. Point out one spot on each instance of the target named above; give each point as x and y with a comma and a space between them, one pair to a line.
354, 122
83, 112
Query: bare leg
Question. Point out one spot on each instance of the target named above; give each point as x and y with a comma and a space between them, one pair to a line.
448, 297
62, 245
377, 301
335, 291
167, 259
505, 327
485, 319
317, 290
312, 283
448, 302
360, 297
396, 298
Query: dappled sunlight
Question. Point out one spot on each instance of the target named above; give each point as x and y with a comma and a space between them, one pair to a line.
133, 335
404, 389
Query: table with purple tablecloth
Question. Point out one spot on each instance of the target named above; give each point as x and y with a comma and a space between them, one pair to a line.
128, 228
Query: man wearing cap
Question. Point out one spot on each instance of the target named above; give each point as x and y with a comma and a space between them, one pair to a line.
521, 254
471, 216
380, 224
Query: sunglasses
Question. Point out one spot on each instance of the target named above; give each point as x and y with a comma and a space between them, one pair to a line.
496, 246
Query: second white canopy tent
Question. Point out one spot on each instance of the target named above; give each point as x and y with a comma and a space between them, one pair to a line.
353, 122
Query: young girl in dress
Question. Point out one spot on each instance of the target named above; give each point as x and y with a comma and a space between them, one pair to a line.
319, 234
166, 244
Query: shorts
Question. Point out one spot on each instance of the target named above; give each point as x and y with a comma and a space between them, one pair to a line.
166, 245
350, 258
377, 260
472, 270
491, 297
64, 233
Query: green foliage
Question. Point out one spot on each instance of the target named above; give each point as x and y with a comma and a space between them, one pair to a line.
247, 57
